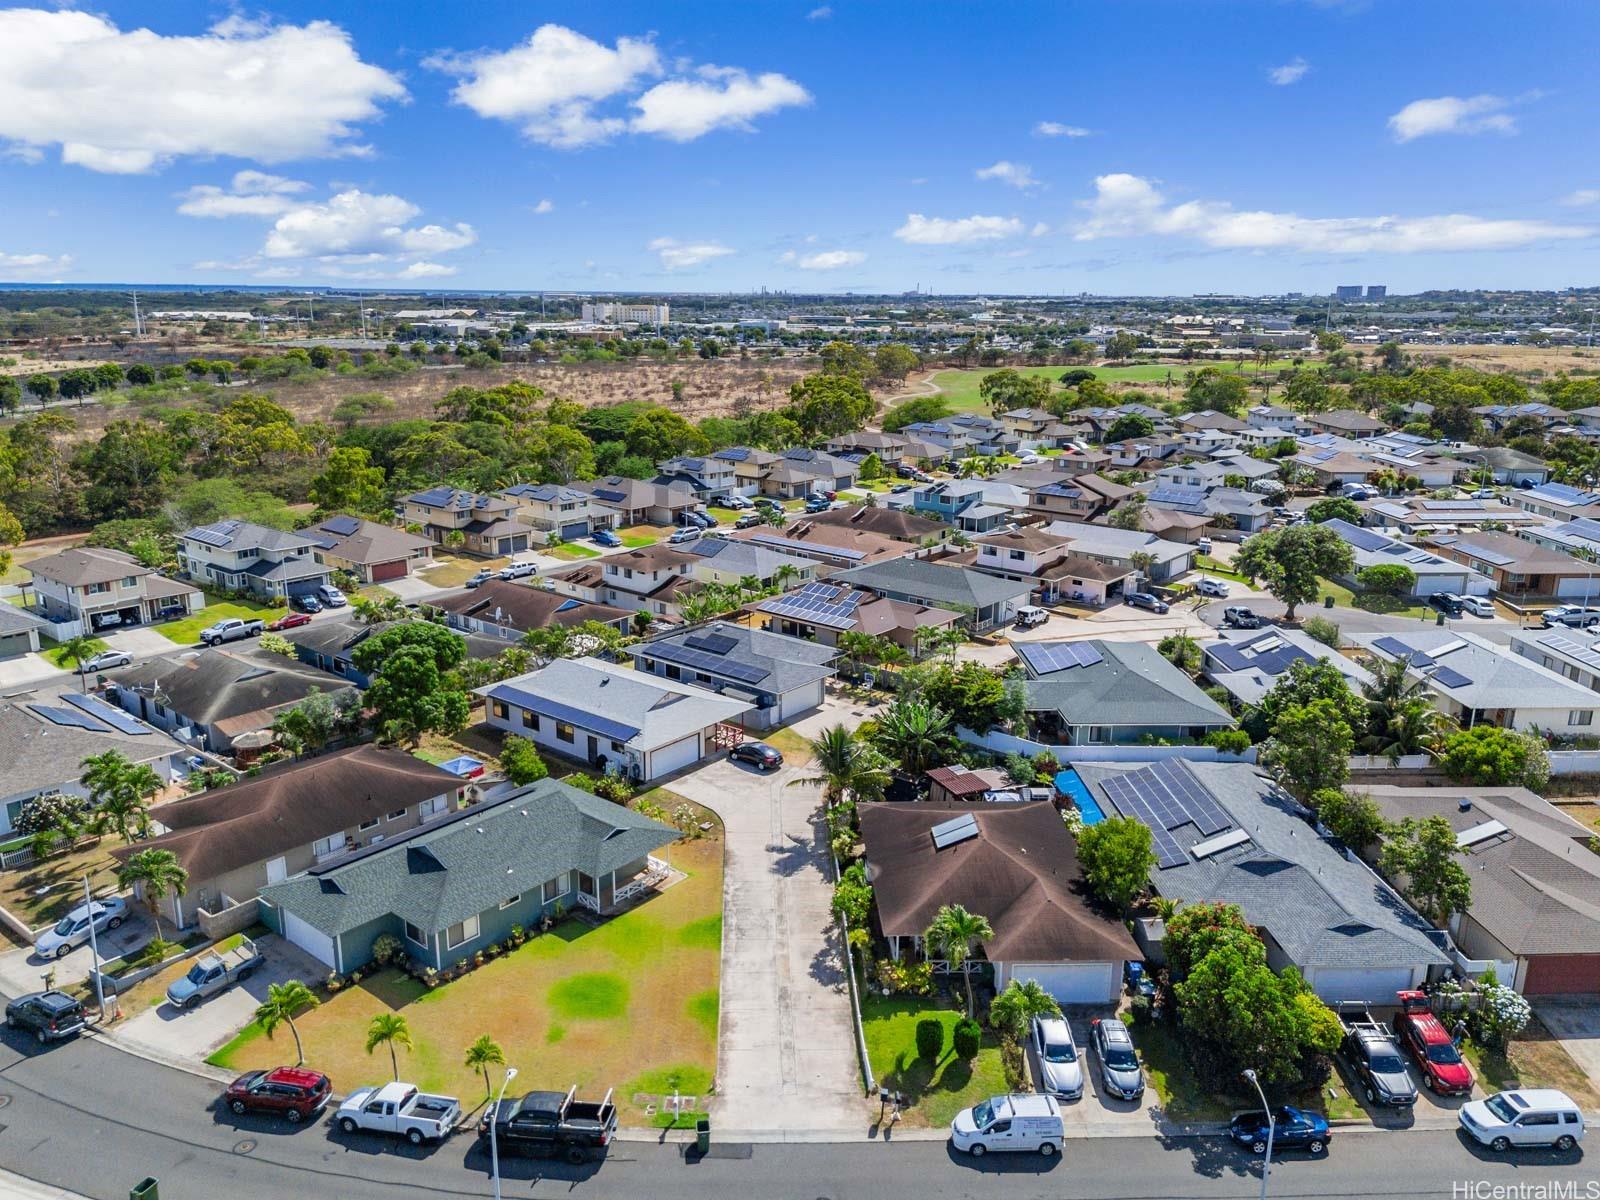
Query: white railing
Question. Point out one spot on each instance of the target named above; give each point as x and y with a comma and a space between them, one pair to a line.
654, 872
587, 901
1006, 743
1379, 762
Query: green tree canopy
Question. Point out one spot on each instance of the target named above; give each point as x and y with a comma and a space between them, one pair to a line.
1310, 748
1330, 507
1423, 858
1117, 857
1488, 756
1291, 562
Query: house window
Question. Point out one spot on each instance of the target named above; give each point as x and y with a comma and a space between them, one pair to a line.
1583, 717
499, 709
530, 720
95, 589
372, 824
463, 932
510, 900
130, 581
413, 934
673, 672
554, 888
332, 844
395, 815
616, 747
1016, 556
564, 731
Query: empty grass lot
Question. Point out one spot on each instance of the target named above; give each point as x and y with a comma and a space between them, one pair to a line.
629, 1005
635, 537
1535, 1060
451, 570
960, 387
187, 631
61, 881
936, 1090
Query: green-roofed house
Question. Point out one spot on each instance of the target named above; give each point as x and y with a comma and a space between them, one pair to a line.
454, 887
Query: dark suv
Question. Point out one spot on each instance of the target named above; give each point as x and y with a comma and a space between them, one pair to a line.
294, 1092
1449, 605
1375, 1060
50, 1015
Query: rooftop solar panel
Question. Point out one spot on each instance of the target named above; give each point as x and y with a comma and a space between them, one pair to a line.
959, 829
711, 664
782, 543
70, 718
341, 526
1398, 649
107, 712
715, 643
557, 711
1363, 539
1448, 678
1483, 552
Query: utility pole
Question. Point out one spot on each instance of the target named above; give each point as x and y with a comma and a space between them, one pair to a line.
94, 951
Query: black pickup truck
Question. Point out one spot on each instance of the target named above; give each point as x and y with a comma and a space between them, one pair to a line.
550, 1123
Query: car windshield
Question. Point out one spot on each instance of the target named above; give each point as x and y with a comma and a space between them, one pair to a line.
1387, 1064
1060, 1052
1445, 1054
1121, 1058
64, 926
197, 973
1501, 1108
982, 1114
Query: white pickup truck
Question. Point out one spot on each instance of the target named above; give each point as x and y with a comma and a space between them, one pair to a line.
399, 1110
230, 629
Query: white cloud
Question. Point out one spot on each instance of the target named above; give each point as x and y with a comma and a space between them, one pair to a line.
941, 231
251, 194
1129, 206
1057, 129
676, 255
129, 101
257, 182
31, 266
684, 109
819, 14
1582, 198
355, 223
826, 260
426, 270
1452, 114
1039, 229
1292, 71
544, 206
1017, 175
554, 85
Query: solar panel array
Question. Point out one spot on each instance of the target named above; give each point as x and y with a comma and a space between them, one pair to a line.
610, 495
1483, 552
341, 526
1047, 657
1450, 678
711, 664
109, 713
959, 829
71, 718
1166, 796
1173, 494
716, 643
1398, 649
1322, 455
1363, 539
734, 454
1270, 661
817, 603
219, 534
1574, 649
557, 711
772, 541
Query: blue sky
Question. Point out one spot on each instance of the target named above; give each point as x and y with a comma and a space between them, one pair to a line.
1040, 148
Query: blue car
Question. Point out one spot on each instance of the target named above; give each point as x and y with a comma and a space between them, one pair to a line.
604, 537
1296, 1128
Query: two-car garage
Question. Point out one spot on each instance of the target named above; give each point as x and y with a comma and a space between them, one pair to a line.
1068, 983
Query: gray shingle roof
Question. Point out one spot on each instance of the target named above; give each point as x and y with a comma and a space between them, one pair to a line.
787, 663
245, 535
472, 861
40, 754
212, 686
1130, 685
929, 583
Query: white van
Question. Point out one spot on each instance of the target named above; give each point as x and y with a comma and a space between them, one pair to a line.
1526, 1117
1028, 616
1018, 1122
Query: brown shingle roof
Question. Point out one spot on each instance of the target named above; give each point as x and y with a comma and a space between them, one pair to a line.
888, 522
370, 543
88, 564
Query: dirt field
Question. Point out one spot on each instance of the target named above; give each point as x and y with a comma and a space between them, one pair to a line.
1516, 359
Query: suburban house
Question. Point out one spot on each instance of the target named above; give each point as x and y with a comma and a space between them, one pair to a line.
725, 561
1035, 429
983, 600
1502, 464
820, 612
330, 645
1574, 653
102, 588
456, 884
19, 631
505, 609
1517, 567
1211, 421
779, 677
1280, 422
1535, 910
238, 839
553, 510
887, 446
611, 717
1498, 416
1558, 501
1421, 514
831, 546
1215, 472
1049, 566
211, 697
620, 502
651, 579
1580, 538
707, 475
1014, 864
1081, 497
1248, 663
1479, 683
1096, 693
45, 735
1212, 507
373, 553
1117, 548
488, 525
1369, 548
244, 557
1346, 422
894, 523
1224, 833
800, 472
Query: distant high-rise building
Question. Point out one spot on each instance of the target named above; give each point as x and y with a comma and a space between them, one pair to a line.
625, 314
1347, 292
1377, 291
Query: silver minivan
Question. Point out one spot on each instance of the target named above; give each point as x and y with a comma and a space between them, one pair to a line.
1029, 1122
1526, 1117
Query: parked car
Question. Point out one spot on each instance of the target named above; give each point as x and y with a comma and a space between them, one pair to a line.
1147, 600
1423, 1036
1448, 603
900, 488
106, 660
1478, 606
50, 1015
306, 604
1572, 615
1212, 587
1203, 545
1293, 1128
231, 629
1370, 1052
481, 578
734, 501
705, 520
768, 503
72, 930
604, 537
750, 520
1029, 616
213, 973
1060, 1071
1119, 1063
548, 1123
400, 1110
1486, 494
1026, 1122
1527, 1117
331, 596
289, 621
817, 504
518, 570
1239, 617
688, 533
295, 1093
758, 754
1357, 491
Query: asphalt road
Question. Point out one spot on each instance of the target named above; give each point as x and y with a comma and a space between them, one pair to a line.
87, 1117
1353, 621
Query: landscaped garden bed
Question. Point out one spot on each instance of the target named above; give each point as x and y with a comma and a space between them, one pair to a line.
935, 1089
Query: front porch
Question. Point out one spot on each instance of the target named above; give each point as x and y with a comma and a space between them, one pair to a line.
617, 891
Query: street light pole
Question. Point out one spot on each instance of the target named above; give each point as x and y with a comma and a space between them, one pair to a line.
94, 951
494, 1117
1272, 1126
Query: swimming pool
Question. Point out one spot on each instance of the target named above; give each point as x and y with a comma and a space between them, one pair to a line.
1073, 788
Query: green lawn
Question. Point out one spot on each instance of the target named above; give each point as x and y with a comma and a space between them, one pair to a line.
57, 654
960, 387
1388, 605
187, 631
636, 536
1204, 562
727, 516
936, 1090
572, 551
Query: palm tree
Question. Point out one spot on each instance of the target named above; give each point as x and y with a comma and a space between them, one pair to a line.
483, 1054
283, 1001
389, 1029
1141, 561
749, 587
120, 792
784, 576
1022, 1000
916, 734
951, 935
844, 764
1412, 728
78, 651
158, 872
858, 649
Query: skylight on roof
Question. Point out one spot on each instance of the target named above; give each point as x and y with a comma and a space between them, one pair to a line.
960, 829
1480, 833
1223, 841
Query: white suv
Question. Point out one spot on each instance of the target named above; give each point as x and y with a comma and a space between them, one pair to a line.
1528, 1117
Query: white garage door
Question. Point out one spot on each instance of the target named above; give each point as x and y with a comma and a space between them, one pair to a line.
1072, 983
313, 941
1375, 985
798, 701
682, 753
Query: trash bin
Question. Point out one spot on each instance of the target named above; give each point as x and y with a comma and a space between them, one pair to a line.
1439, 619
146, 1189
1327, 601
702, 1135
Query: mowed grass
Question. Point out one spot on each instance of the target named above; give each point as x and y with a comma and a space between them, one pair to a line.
600, 1007
1535, 1060
960, 387
58, 655
572, 551
43, 893
186, 632
936, 1090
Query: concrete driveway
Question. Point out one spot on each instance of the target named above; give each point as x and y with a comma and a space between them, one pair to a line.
141, 641
1576, 1024
27, 669
786, 1061
1098, 1112
23, 970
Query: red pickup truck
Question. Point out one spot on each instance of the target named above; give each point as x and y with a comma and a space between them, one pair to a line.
1425, 1038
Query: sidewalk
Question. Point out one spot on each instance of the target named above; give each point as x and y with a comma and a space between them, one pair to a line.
15, 1187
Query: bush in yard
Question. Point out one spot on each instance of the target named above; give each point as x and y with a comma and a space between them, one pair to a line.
614, 788
520, 760
1323, 630
54, 811
908, 978
1014, 1065
1117, 859
1504, 1015
1387, 579
965, 1038
1354, 820
1021, 769
387, 948
1229, 741
1489, 756
930, 1039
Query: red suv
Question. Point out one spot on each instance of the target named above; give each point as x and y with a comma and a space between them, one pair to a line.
293, 1091
1424, 1037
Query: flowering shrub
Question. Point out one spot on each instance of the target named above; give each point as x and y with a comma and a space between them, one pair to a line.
1504, 1015
915, 979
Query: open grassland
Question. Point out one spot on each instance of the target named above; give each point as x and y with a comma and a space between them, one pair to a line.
960, 387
